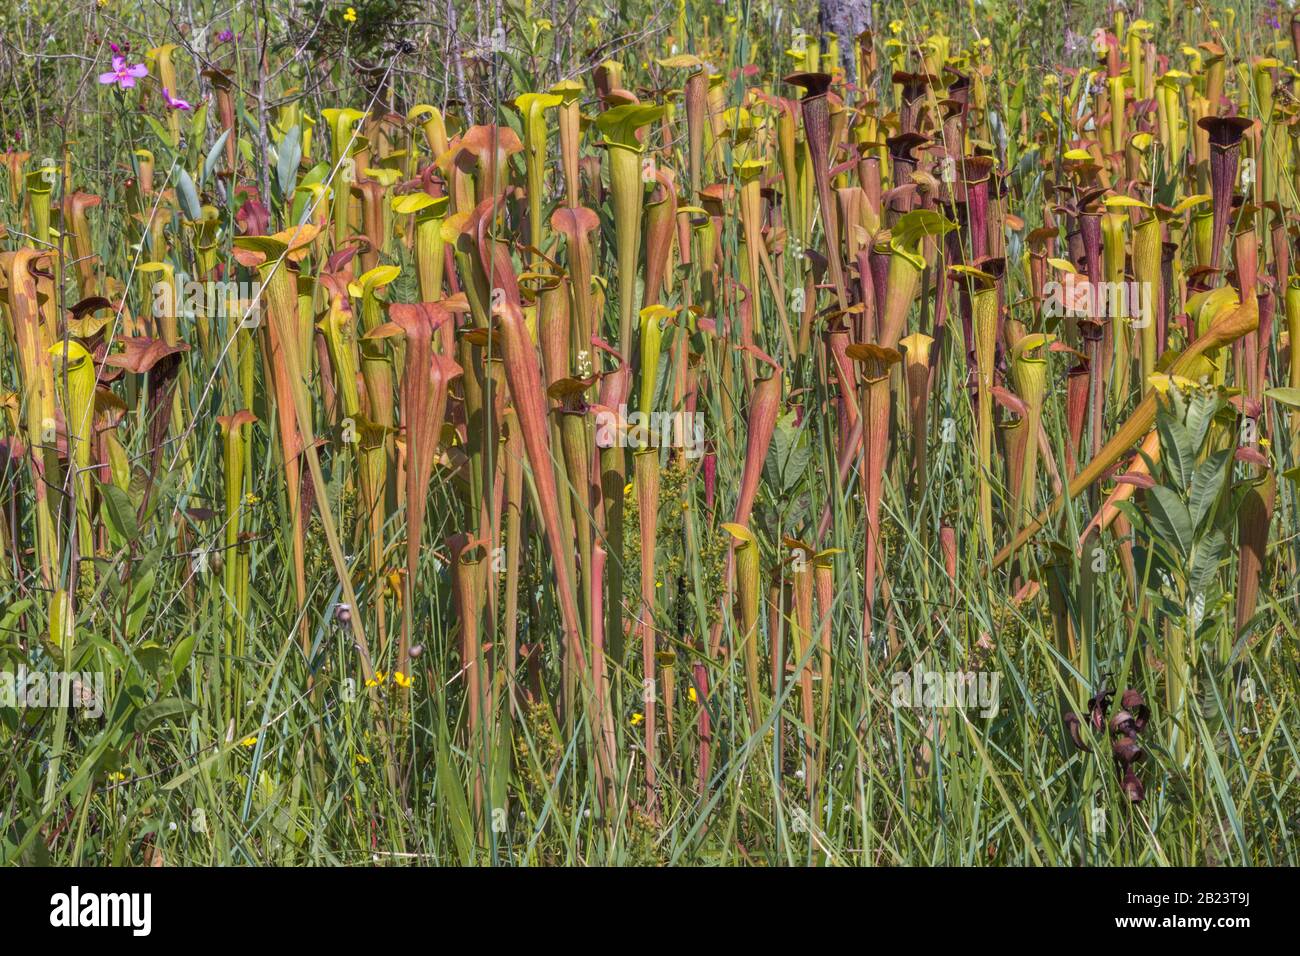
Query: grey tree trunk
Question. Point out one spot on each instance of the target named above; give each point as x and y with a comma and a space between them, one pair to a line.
846, 19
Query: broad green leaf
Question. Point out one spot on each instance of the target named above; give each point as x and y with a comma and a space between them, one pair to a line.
451, 799
119, 513
1170, 518
189, 196
1287, 396
1209, 552
151, 655
161, 131
1207, 483
214, 156
288, 156
1176, 448
153, 714
181, 654
790, 454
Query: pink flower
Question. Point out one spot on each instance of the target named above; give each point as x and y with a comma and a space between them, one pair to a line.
173, 102
121, 74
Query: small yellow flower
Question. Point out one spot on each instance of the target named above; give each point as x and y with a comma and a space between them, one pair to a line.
350, 15
637, 718
377, 680
690, 692
895, 26
362, 758
400, 679
627, 489
116, 775
251, 499
249, 742
1265, 443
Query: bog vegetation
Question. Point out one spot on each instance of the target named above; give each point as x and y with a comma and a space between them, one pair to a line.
664, 434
